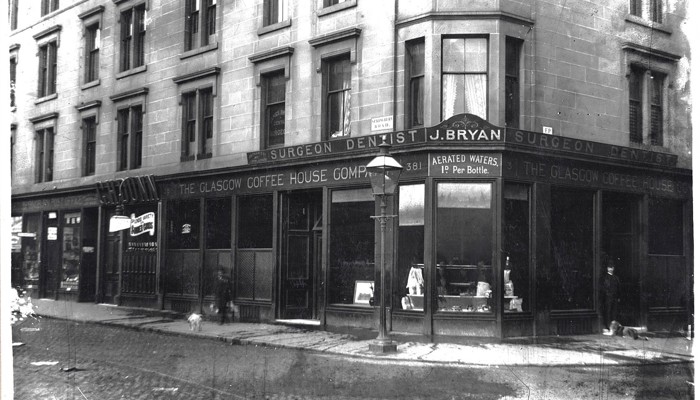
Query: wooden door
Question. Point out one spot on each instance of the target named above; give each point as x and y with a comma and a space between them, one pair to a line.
300, 219
621, 243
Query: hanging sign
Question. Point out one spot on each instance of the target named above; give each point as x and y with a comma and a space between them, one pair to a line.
144, 223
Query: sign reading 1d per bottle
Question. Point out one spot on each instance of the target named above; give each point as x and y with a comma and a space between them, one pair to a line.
465, 164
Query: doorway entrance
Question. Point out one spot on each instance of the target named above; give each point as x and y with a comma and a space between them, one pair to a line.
300, 253
620, 242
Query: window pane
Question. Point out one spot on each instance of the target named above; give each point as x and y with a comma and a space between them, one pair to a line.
339, 75
452, 95
70, 267
218, 223
464, 247
416, 55
475, 95
351, 256
453, 53
183, 225
255, 222
516, 245
475, 51
275, 128
665, 226
570, 276
410, 265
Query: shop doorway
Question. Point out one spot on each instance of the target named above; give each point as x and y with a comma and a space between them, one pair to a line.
300, 253
110, 274
620, 241
51, 259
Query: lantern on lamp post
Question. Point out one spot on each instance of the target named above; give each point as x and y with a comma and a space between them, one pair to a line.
384, 176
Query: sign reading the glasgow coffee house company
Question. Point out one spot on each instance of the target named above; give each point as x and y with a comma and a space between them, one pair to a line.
595, 175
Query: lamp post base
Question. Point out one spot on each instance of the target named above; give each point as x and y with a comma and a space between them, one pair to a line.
382, 346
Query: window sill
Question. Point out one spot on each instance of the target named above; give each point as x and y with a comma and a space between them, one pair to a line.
648, 24
46, 98
90, 84
199, 50
130, 72
338, 7
274, 27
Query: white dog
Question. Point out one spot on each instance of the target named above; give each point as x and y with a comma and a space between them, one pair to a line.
195, 321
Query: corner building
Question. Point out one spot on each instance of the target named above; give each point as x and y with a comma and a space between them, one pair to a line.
539, 139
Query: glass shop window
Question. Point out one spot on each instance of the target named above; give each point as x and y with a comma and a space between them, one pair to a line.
665, 226
667, 277
516, 246
218, 223
70, 268
569, 278
410, 266
183, 225
255, 222
464, 245
351, 257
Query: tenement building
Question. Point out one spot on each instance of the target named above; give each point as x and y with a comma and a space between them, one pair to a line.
157, 141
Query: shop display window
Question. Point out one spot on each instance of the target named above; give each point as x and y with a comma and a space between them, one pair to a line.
30, 251
183, 261
410, 269
217, 231
351, 257
70, 268
254, 259
568, 282
464, 243
183, 225
516, 246
666, 284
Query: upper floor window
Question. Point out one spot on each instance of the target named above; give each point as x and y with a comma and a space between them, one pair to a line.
48, 6
512, 82
13, 79
200, 23
47, 69
89, 145
92, 53
646, 106
415, 76
130, 137
273, 106
336, 103
44, 154
464, 76
275, 11
197, 124
651, 10
132, 36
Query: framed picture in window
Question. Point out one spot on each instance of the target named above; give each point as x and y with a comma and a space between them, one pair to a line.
364, 290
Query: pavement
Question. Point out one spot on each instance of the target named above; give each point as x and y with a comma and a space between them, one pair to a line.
579, 350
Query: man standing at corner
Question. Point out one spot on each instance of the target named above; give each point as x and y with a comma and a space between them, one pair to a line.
610, 292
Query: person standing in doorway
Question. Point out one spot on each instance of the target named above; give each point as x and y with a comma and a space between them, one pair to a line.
610, 293
223, 294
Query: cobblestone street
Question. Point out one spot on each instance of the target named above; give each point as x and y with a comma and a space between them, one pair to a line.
69, 360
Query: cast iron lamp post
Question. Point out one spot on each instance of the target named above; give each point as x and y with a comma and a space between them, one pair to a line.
384, 177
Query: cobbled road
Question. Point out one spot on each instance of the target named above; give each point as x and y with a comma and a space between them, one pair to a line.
67, 360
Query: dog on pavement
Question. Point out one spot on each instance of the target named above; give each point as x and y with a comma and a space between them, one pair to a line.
618, 329
195, 321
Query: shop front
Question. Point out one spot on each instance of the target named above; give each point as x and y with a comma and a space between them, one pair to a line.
129, 253
496, 233
54, 252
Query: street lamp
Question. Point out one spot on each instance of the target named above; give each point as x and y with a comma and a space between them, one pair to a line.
384, 176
